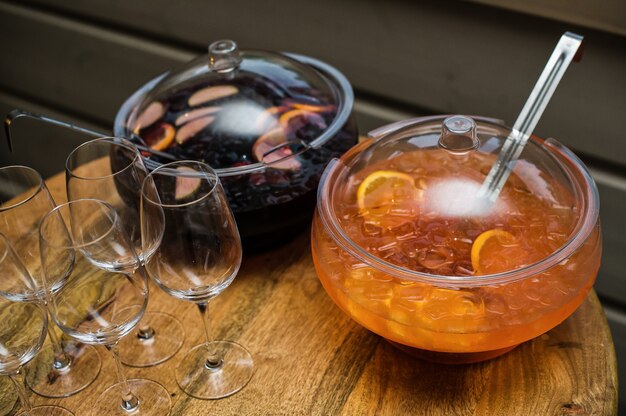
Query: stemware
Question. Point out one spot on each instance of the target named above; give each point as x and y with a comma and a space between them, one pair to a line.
23, 323
187, 216
61, 368
111, 169
105, 296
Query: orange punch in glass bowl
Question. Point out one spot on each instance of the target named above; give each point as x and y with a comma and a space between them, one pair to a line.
404, 246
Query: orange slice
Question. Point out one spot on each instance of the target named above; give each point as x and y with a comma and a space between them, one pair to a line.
161, 137
384, 192
314, 108
496, 251
271, 147
294, 120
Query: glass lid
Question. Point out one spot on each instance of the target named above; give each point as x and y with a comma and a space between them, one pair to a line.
408, 199
235, 108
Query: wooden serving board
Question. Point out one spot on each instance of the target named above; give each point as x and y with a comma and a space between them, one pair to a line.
311, 359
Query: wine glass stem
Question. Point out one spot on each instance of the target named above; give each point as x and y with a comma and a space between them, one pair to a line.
130, 402
214, 358
146, 333
18, 380
62, 360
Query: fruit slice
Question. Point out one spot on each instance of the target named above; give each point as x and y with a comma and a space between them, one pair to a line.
196, 114
386, 192
186, 185
314, 108
160, 137
496, 251
271, 147
192, 128
150, 115
211, 93
293, 120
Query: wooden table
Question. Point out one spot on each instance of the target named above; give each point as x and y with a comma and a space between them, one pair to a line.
311, 359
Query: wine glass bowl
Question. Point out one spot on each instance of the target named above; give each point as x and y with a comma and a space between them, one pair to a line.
15, 282
23, 322
24, 199
23, 319
113, 306
23, 333
109, 169
192, 223
98, 305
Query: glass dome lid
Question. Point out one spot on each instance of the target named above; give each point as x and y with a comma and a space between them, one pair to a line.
241, 110
406, 201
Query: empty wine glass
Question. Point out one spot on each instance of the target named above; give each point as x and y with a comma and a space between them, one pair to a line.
23, 324
198, 256
61, 368
100, 305
111, 169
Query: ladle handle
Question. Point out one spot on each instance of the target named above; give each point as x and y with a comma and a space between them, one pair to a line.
17, 113
528, 118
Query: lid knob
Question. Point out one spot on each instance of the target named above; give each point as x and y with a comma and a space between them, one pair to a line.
458, 134
223, 56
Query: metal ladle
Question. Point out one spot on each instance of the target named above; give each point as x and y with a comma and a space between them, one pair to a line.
17, 113
567, 49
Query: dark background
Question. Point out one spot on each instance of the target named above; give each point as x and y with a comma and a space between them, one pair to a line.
78, 61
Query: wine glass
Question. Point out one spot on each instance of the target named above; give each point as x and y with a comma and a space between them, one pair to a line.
61, 368
23, 323
111, 169
199, 253
105, 296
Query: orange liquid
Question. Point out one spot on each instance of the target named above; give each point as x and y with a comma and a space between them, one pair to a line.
435, 235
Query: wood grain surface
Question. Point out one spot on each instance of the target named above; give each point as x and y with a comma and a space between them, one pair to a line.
311, 359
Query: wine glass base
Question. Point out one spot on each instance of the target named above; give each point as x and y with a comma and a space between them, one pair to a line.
44, 380
167, 340
47, 411
200, 382
154, 400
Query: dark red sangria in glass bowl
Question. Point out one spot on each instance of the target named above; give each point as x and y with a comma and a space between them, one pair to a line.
267, 122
